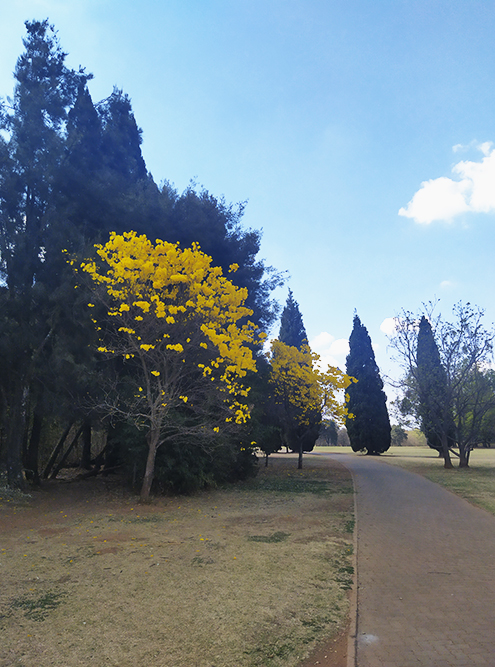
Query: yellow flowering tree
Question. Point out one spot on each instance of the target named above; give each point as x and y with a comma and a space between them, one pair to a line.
183, 337
304, 393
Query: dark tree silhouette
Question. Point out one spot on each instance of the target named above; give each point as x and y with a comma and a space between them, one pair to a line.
369, 429
434, 407
292, 330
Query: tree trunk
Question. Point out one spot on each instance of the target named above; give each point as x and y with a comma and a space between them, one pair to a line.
266, 460
86, 445
300, 457
15, 479
31, 463
56, 451
463, 457
16, 427
149, 474
67, 452
446, 452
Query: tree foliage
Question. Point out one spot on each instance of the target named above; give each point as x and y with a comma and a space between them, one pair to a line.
446, 383
434, 408
292, 330
369, 427
398, 436
45, 90
176, 323
304, 394
71, 172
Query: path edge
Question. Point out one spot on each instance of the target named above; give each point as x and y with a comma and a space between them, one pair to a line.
353, 596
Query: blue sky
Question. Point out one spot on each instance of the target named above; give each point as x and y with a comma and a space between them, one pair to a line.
359, 132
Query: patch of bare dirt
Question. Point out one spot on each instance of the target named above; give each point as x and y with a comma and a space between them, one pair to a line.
331, 653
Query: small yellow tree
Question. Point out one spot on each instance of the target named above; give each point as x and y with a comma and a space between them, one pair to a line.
304, 393
181, 330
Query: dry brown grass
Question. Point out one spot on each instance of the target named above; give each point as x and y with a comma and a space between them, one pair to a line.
249, 576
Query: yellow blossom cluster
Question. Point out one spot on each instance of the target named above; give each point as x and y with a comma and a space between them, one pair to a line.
298, 382
171, 301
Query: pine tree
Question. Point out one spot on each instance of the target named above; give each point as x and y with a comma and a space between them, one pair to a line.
122, 137
369, 429
292, 330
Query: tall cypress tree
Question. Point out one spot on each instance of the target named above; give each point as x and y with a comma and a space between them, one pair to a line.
30, 159
292, 330
369, 429
299, 432
44, 92
434, 405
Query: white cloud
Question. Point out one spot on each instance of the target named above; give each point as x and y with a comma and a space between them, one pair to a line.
486, 147
446, 284
444, 198
340, 347
322, 341
332, 351
389, 325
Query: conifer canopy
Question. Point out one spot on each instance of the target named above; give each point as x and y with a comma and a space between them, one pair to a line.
369, 427
292, 330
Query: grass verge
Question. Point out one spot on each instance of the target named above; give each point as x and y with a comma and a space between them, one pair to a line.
252, 576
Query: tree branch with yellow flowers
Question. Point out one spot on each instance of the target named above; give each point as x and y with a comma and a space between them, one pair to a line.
304, 393
182, 335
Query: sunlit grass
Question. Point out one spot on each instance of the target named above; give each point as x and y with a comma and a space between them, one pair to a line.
476, 483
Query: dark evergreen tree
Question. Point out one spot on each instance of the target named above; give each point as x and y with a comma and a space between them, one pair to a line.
122, 138
298, 434
44, 91
263, 429
292, 331
202, 218
434, 408
30, 160
369, 429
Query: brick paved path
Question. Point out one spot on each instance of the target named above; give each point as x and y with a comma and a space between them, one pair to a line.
426, 572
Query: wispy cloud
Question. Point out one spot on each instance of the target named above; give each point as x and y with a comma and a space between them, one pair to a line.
445, 198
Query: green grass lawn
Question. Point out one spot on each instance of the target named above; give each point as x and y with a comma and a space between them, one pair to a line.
476, 484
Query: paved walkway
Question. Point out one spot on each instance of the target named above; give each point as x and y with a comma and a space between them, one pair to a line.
426, 572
